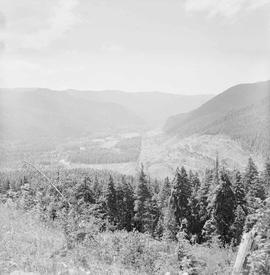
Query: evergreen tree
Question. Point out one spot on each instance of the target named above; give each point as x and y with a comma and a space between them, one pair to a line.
203, 202
120, 211
238, 225
141, 204
96, 188
83, 191
180, 196
128, 205
169, 224
209, 230
194, 182
266, 176
155, 186
111, 201
239, 190
165, 193
222, 207
216, 173
152, 215
195, 225
254, 186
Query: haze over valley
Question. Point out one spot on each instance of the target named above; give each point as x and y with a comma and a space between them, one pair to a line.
119, 130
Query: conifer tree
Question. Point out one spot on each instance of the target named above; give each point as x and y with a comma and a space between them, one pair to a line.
254, 186
202, 197
195, 225
169, 224
266, 176
128, 204
239, 190
155, 186
110, 201
238, 224
194, 182
83, 191
152, 215
164, 193
180, 196
163, 203
222, 207
120, 211
216, 174
209, 230
142, 200
96, 188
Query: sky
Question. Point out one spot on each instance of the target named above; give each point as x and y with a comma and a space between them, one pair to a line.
176, 46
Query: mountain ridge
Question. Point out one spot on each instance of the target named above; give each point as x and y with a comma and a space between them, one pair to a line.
244, 107
28, 113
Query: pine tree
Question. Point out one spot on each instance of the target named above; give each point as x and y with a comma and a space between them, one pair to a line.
96, 188
152, 215
180, 196
203, 201
155, 187
142, 200
238, 224
254, 186
239, 190
266, 176
194, 182
169, 224
222, 207
216, 174
120, 213
165, 193
111, 201
83, 191
252, 181
128, 205
209, 230
195, 225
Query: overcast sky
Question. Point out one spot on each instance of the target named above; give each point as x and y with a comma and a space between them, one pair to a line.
179, 46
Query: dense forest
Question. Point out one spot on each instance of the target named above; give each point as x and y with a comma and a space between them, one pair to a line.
144, 225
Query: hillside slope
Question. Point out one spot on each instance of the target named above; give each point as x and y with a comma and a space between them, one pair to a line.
241, 112
153, 107
162, 154
41, 113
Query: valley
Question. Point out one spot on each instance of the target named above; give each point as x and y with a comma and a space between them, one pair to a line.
233, 125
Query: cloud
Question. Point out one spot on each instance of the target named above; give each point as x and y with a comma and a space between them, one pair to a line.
61, 19
225, 8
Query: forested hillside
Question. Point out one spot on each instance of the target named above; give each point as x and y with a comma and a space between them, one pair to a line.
241, 112
132, 225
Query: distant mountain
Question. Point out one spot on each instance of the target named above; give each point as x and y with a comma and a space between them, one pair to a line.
153, 107
241, 112
34, 113
28, 114
41, 113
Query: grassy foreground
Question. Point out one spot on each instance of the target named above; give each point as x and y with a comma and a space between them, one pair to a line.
28, 245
